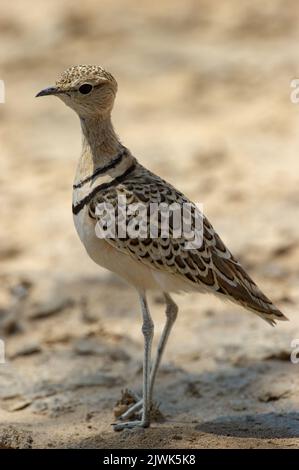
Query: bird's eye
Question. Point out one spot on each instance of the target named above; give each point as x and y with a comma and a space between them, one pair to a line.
85, 88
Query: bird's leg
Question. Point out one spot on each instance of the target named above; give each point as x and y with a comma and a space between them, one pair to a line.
171, 315
148, 332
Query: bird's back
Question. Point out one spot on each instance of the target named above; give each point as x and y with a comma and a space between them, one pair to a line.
209, 266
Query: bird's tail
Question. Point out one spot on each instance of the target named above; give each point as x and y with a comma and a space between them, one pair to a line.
244, 291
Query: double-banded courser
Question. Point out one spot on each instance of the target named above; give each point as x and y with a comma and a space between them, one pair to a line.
108, 173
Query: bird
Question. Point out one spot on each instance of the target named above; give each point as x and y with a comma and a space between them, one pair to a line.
109, 185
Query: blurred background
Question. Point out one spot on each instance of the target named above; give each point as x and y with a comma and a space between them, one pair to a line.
204, 100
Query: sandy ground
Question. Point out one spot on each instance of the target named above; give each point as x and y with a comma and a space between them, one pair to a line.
204, 99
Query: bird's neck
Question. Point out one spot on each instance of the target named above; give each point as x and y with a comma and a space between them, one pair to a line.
100, 145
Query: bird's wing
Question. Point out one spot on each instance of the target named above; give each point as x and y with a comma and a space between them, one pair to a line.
209, 264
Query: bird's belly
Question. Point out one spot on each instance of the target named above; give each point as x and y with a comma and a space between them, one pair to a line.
105, 255
97, 248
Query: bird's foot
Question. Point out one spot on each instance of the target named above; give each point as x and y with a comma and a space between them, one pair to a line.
134, 410
130, 407
130, 425
127, 403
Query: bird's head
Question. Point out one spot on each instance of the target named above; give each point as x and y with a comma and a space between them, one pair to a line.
88, 89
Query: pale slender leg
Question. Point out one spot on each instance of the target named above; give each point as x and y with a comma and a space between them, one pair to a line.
171, 314
148, 332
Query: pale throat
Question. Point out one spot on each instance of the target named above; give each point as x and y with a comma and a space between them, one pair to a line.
100, 145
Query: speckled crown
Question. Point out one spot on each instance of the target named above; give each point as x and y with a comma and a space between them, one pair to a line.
85, 72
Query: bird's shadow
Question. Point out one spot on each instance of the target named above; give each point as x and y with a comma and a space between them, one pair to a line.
260, 426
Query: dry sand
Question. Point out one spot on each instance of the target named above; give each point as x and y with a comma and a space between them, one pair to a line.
204, 99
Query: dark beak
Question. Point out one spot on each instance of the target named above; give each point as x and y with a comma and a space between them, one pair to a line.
48, 91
